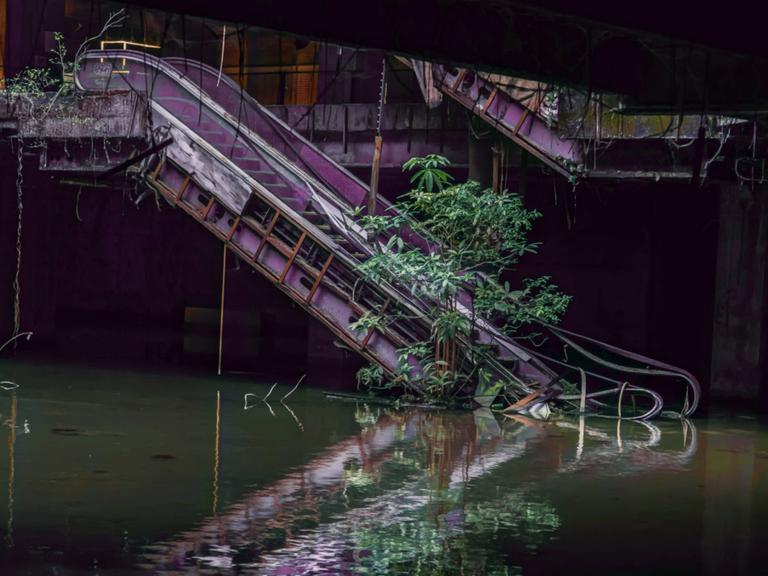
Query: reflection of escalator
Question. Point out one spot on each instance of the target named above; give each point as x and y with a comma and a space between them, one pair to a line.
365, 483
285, 214
413, 483
284, 505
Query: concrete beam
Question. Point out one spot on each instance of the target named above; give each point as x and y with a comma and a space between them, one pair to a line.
553, 44
113, 115
345, 132
605, 119
362, 117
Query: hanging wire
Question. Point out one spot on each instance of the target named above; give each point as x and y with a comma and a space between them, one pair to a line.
382, 95
20, 208
223, 47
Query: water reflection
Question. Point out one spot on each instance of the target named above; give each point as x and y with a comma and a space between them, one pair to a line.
613, 451
216, 454
416, 493
11, 424
128, 473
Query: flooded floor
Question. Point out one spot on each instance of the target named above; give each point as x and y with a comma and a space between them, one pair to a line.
112, 472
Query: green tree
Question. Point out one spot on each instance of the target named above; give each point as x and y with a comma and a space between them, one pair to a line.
476, 235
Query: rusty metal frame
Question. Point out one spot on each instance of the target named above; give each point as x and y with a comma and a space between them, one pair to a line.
319, 278
267, 233
490, 100
512, 132
292, 257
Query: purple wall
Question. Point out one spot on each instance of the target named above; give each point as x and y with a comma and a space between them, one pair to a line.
638, 259
114, 287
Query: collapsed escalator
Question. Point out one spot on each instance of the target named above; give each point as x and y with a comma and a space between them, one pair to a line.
286, 209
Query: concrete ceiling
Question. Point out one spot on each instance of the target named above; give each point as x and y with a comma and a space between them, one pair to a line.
661, 57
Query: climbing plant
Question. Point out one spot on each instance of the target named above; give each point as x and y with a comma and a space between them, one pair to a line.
32, 81
476, 236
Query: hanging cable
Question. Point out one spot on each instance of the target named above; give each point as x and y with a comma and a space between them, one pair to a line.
375, 168
20, 208
223, 46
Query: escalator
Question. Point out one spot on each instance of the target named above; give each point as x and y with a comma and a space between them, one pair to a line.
285, 208
522, 124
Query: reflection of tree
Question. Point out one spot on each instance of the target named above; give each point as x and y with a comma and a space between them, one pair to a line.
443, 530
267, 518
517, 511
454, 541
420, 523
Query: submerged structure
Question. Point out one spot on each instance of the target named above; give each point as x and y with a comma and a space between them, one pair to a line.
287, 209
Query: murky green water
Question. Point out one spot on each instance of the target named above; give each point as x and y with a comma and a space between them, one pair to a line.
107, 472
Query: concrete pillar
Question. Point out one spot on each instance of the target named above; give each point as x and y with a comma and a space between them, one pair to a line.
738, 352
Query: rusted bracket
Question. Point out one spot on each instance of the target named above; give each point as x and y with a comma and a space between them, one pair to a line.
267, 234
523, 402
292, 257
319, 279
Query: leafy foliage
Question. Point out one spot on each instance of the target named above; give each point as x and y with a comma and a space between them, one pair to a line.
31, 81
538, 300
429, 174
371, 376
476, 234
34, 82
367, 322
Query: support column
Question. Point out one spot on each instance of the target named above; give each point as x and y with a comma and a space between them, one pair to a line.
738, 351
480, 153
